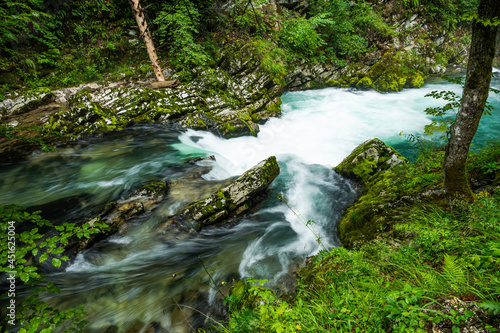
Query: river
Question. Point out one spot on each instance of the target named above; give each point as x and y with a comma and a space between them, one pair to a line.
142, 278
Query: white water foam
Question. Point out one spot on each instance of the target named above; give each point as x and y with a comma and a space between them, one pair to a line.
319, 126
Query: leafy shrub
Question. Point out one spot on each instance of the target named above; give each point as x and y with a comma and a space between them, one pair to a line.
350, 27
31, 241
300, 36
179, 26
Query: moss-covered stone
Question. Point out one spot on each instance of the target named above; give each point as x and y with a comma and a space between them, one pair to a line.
370, 157
415, 80
156, 187
389, 82
367, 164
387, 74
79, 98
389, 184
364, 84
232, 200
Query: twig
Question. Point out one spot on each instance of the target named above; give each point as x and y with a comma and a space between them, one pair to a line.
211, 278
204, 314
301, 218
187, 321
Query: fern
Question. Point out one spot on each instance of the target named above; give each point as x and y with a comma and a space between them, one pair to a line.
429, 278
454, 273
491, 306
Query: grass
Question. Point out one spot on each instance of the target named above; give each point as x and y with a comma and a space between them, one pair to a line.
434, 269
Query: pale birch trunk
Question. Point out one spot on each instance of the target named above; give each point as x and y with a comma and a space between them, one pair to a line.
148, 41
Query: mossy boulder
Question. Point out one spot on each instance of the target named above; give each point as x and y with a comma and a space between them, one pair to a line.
231, 201
370, 157
370, 164
364, 84
117, 214
388, 74
415, 80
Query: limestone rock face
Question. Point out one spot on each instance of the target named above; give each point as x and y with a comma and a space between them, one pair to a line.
233, 200
22, 103
230, 100
370, 157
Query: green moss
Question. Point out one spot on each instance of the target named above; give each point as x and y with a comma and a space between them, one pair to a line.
77, 99
416, 80
389, 82
333, 83
387, 193
367, 159
364, 83
270, 170
155, 187
353, 81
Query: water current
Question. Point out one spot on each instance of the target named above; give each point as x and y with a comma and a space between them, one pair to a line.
140, 278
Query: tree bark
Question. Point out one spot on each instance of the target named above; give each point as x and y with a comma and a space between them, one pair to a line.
165, 84
475, 93
146, 35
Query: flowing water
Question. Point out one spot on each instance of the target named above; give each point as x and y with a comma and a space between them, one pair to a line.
141, 278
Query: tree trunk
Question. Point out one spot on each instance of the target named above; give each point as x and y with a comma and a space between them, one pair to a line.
143, 28
475, 93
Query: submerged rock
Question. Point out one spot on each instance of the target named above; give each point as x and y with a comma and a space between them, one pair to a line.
233, 200
117, 213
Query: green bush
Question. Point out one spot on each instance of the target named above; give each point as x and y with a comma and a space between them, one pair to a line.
178, 26
351, 25
29, 241
300, 36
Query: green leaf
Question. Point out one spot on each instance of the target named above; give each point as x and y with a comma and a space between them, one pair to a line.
468, 313
43, 257
56, 262
24, 277
34, 252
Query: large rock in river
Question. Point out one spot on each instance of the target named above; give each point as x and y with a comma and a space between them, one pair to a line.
370, 164
233, 200
370, 157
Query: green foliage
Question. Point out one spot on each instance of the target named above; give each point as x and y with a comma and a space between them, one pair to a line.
443, 116
449, 14
18, 19
62, 43
300, 35
486, 161
272, 59
30, 242
178, 26
349, 28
